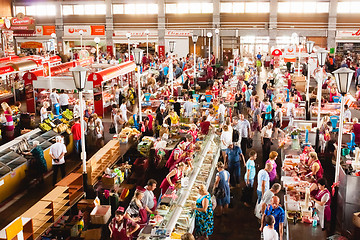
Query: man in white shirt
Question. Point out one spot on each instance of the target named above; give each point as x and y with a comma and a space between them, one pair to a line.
188, 107
124, 110
243, 127
221, 111
266, 133
63, 100
347, 114
269, 231
57, 153
149, 200
54, 97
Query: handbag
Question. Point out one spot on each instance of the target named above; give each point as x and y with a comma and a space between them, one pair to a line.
219, 193
249, 143
112, 129
235, 135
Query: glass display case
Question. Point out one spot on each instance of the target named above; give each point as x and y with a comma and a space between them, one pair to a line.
327, 109
178, 216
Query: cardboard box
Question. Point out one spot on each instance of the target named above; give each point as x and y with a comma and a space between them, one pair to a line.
100, 214
92, 234
108, 181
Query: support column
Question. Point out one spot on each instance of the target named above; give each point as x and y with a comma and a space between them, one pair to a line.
161, 28
59, 29
109, 28
216, 24
331, 42
272, 26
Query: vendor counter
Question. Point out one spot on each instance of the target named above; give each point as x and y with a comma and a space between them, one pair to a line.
295, 205
14, 167
176, 216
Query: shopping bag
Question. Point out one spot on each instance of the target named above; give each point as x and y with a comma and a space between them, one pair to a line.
112, 129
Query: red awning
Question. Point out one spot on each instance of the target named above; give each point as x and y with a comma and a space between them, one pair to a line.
112, 72
6, 69
84, 62
8, 59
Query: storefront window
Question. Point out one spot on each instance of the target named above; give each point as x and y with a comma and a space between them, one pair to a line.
130, 9
247, 7
90, 9
118, 9
183, 8
170, 8
343, 7
67, 10
152, 9
207, 8
238, 7
321, 7
195, 7
20, 9
140, 9
30, 10
79, 9
226, 7
303, 7
355, 7
100, 9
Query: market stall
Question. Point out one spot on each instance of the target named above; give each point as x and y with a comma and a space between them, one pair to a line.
14, 166
40, 81
299, 214
102, 81
175, 215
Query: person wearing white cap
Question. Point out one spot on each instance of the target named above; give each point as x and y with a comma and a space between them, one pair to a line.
57, 153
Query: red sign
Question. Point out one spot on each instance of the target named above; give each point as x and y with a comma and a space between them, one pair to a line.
109, 50
48, 30
98, 30
161, 51
357, 33
25, 23
31, 45
6, 69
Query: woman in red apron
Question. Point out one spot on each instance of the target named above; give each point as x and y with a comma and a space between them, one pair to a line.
121, 226
322, 202
315, 166
172, 178
176, 155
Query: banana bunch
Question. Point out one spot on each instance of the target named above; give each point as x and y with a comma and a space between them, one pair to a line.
68, 114
50, 123
45, 127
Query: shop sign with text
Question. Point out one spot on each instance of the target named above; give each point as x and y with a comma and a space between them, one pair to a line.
87, 30
348, 34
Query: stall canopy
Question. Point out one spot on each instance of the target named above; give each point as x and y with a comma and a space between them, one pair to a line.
62, 68
112, 72
7, 59
25, 65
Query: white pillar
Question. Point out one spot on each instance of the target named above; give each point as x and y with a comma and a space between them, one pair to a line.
97, 53
139, 91
195, 65
299, 61
81, 42
83, 153
129, 48
147, 45
338, 152
319, 97
308, 82
171, 75
209, 50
